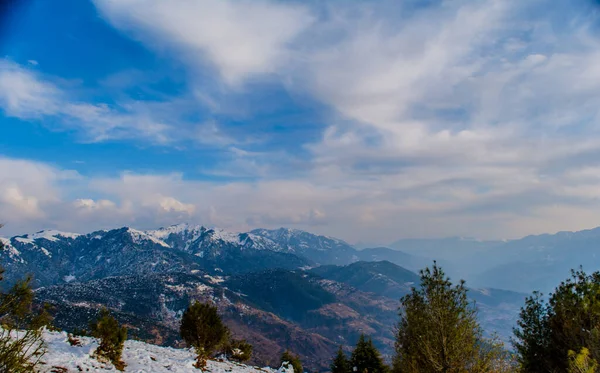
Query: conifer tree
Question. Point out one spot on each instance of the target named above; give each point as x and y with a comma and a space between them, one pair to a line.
340, 363
439, 332
202, 328
294, 360
532, 336
569, 320
111, 337
366, 358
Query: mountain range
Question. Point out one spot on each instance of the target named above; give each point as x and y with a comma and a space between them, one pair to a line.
281, 288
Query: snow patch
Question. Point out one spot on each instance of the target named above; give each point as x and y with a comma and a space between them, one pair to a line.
13, 253
69, 278
163, 233
214, 279
138, 236
50, 235
225, 236
139, 357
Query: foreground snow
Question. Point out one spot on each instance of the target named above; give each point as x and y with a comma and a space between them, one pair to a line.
140, 358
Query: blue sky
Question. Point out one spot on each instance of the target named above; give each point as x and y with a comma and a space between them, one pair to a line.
369, 121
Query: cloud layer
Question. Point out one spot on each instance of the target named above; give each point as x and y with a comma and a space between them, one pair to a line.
460, 117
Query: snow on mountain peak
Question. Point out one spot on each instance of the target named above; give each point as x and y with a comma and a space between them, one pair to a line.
13, 253
50, 235
138, 236
165, 232
223, 235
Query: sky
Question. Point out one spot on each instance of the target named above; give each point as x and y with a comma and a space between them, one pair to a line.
365, 120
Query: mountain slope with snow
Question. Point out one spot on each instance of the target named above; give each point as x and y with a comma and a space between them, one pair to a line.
54, 257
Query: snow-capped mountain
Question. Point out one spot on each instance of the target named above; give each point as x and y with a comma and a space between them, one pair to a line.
321, 249
54, 257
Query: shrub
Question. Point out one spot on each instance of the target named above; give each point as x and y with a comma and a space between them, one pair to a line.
581, 362
239, 350
287, 358
202, 328
111, 338
21, 343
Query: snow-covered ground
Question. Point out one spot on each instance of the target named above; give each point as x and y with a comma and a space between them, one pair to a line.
140, 358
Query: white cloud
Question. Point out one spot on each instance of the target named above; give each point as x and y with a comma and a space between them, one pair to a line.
457, 118
23, 95
27, 95
89, 204
240, 38
421, 202
170, 204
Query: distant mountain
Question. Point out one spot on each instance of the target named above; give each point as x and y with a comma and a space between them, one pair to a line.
280, 287
320, 249
56, 257
382, 278
537, 262
408, 261
541, 262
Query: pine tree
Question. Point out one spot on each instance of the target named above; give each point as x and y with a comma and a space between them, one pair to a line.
569, 320
532, 335
366, 358
202, 328
439, 332
340, 363
294, 360
111, 338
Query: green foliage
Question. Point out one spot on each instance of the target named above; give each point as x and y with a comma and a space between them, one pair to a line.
20, 350
202, 328
366, 358
16, 305
288, 358
532, 335
340, 363
569, 320
21, 343
581, 362
438, 330
44, 318
111, 338
239, 350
